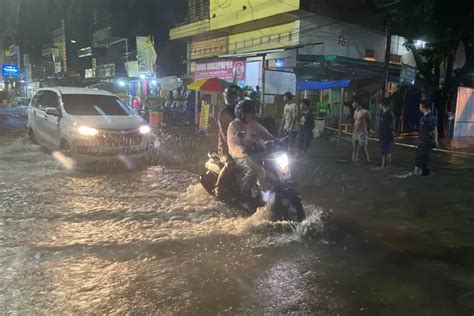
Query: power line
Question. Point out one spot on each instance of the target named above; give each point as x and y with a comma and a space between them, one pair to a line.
281, 37
279, 40
305, 32
294, 31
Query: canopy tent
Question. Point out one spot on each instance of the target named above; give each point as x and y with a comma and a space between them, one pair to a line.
322, 85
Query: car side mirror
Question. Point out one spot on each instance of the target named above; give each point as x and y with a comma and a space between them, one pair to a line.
52, 112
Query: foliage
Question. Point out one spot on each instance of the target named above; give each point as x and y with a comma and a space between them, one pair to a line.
443, 24
157, 104
3, 94
251, 93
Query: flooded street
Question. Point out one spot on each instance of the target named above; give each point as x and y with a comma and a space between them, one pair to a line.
153, 242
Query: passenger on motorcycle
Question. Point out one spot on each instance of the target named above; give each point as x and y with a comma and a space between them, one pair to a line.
232, 95
244, 135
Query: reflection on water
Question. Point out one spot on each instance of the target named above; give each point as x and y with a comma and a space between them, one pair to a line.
112, 242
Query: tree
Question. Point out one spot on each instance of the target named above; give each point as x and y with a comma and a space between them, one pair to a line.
443, 25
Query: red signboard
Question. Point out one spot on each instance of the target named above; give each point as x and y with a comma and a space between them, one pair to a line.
223, 69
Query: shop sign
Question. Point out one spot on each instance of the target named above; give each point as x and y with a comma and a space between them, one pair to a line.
407, 75
146, 55
57, 67
10, 70
89, 73
59, 42
229, 70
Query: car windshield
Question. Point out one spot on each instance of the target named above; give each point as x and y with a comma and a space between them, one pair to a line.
93, 105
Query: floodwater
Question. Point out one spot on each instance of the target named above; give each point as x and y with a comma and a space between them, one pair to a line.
152, 242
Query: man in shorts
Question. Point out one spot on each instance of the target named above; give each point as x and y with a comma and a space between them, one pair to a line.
386, 134
360, 131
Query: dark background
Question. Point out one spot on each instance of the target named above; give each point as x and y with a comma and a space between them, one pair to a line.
28, 23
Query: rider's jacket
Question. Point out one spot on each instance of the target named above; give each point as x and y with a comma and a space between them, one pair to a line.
241, 136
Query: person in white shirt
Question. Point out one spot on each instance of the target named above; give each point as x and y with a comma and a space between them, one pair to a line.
244, 135
289, 123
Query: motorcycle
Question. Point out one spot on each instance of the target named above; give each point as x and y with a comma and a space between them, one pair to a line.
275, 189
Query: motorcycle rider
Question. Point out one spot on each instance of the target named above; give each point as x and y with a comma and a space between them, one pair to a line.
243, 134
232, 95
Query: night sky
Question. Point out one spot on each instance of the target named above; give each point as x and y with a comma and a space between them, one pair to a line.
28, 23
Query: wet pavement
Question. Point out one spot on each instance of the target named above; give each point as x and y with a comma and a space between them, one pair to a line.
152, 242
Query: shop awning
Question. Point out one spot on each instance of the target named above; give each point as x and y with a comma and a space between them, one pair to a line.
322, 85
331, 67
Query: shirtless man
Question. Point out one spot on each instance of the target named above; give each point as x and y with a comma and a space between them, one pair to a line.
360, 131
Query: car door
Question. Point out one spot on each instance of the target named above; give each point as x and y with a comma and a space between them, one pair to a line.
33, 112
40, 117
51, 122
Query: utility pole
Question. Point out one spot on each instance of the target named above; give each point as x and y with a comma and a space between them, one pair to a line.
388, 46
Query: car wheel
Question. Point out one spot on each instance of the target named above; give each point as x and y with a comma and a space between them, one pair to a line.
65, 148
31, 136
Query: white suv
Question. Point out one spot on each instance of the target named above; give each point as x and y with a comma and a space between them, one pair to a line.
88, 125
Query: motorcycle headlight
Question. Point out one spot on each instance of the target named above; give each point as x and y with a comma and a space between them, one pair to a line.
145, 129
283, 162
87, 131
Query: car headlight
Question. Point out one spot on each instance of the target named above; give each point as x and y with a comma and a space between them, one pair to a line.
88, 131
283, 162
145, 129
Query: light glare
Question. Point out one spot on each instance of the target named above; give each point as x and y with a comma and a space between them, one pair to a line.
145, 129
283, 161
87, 131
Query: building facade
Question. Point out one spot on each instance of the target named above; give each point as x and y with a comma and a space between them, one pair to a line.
275, 44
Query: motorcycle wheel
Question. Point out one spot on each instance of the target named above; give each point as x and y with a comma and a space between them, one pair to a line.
208, 181
287, 206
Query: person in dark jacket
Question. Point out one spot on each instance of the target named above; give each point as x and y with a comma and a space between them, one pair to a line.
386, 134
427, 139
305, 133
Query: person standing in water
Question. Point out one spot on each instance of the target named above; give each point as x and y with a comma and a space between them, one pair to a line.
427, 139
360, 131
305, 134
386, 134
289, 123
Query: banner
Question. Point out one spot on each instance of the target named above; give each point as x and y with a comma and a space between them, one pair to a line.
464, 120
146, 55
59, 42
132, 69
204, 119
407, 75
223, 69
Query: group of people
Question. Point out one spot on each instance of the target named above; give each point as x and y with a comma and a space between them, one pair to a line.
240, 130
427, 138
297, 124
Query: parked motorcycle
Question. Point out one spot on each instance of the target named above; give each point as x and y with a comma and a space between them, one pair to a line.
275, 189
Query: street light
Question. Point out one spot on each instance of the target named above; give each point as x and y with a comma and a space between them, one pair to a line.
420, 44
121, 83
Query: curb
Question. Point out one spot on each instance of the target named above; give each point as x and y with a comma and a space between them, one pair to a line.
441, 150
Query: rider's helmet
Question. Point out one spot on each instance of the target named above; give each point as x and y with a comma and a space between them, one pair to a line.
232, 95
246, 106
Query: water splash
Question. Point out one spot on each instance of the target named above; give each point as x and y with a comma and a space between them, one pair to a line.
66, 162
